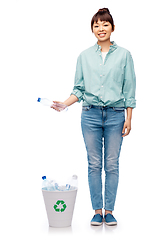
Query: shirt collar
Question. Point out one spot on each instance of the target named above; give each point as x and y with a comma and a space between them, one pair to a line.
112, 47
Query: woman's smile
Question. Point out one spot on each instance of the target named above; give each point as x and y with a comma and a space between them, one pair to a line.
101, 35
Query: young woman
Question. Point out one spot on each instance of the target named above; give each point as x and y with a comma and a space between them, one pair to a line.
105, 82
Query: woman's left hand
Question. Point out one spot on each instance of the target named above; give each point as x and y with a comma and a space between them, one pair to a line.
126, 128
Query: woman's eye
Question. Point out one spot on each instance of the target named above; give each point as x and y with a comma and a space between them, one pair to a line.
96, 26
105, 25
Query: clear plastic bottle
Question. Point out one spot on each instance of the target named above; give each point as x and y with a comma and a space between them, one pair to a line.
49, 185
49, 103
45, 183
73, 183
55, 185
45, 102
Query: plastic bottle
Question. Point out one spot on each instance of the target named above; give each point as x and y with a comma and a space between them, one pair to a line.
45, 183
49, 185
45, 102
73, 183
55, 185
49, 103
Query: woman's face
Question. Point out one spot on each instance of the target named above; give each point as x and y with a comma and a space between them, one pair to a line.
102, 30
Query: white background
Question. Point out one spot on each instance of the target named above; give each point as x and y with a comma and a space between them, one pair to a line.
39, 44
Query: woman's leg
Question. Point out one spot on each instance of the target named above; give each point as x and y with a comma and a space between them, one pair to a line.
112, 145
91, 122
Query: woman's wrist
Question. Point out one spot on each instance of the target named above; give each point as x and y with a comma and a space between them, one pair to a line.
129, 113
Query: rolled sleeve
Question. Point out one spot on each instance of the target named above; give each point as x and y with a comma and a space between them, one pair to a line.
129, 85
79, 87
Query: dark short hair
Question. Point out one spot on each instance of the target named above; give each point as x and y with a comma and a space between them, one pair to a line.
104, 15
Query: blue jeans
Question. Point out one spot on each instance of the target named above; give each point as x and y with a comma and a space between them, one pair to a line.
102, 126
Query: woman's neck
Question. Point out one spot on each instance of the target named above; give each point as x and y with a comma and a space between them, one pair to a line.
105, 46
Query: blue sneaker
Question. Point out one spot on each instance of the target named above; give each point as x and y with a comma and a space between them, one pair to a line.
110, 220
97, 220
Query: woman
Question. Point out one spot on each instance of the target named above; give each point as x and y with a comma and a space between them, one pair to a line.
105, 82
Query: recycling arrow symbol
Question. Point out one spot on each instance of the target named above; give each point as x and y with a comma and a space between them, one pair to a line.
60, 206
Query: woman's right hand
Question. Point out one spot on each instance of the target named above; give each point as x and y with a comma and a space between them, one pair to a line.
58, 106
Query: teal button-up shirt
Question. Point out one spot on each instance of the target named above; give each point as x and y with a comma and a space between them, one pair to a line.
111, 83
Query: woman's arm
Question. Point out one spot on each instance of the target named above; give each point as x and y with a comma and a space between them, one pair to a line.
127, 124
72, 99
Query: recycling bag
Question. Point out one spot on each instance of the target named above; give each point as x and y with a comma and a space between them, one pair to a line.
59, 207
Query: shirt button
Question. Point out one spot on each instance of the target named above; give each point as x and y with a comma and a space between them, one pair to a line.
101, 97
100, 75
101, 86
100, 64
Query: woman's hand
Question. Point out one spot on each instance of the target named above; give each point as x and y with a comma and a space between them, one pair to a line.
58, 106
126, 127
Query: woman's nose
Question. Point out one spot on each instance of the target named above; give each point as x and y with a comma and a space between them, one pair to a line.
100, 27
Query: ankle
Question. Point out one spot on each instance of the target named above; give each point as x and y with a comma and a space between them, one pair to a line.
98, 211
107, 211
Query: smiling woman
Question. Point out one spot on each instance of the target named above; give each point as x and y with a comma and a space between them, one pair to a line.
105, 82
102, 25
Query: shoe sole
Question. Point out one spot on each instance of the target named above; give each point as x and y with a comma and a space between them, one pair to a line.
96, 223
111, 223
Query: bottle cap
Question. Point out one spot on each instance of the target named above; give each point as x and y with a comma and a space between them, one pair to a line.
44, 177
39, 99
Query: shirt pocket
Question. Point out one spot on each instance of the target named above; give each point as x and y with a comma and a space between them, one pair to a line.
117, 74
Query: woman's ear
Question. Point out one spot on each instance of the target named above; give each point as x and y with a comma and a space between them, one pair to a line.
114, 29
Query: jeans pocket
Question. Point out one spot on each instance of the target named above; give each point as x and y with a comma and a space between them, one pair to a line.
86, 108
118, 109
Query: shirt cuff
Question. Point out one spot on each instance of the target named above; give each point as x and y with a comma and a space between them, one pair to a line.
78, 94
130, 103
